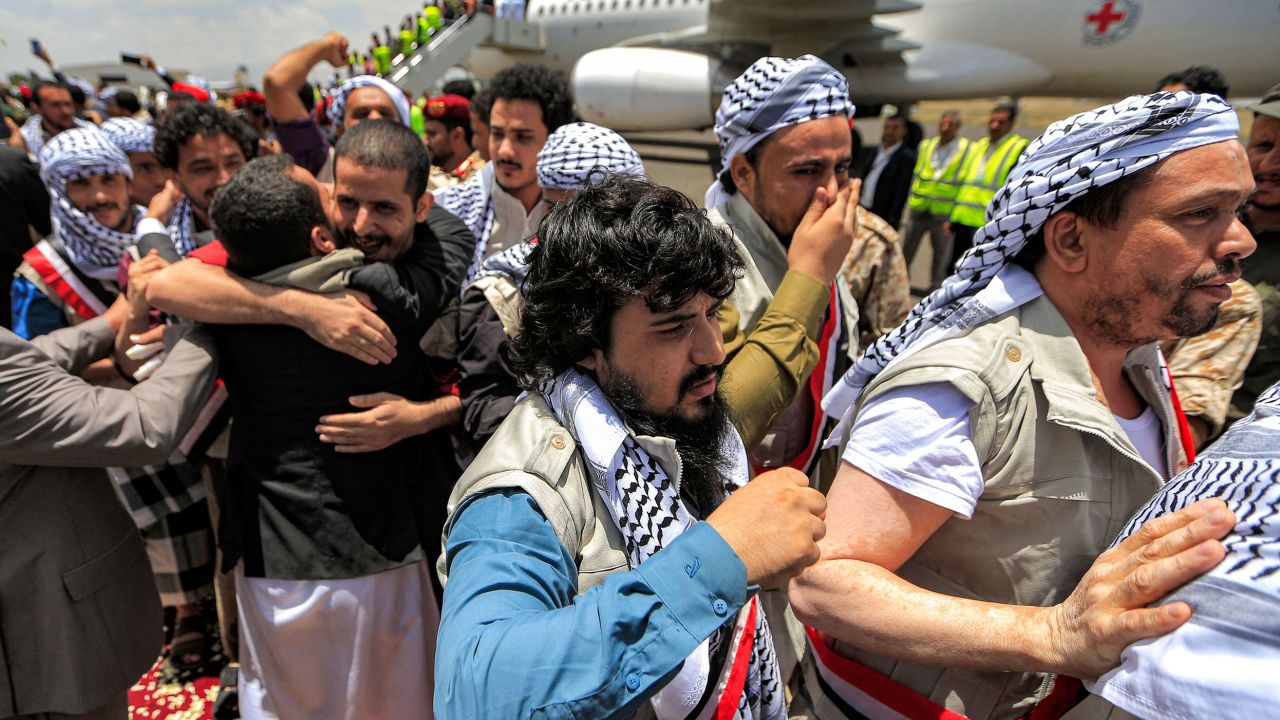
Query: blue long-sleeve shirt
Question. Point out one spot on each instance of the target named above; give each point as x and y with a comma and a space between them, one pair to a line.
516, 641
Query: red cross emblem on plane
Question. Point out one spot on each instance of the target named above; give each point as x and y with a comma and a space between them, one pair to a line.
1110, 21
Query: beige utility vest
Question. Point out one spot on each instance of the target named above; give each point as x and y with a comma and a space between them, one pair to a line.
532, 452
1061, 481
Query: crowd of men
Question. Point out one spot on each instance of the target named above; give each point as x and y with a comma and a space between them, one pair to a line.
462, 416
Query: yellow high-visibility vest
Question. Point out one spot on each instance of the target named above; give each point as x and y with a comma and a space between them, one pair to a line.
937, 195
982, 175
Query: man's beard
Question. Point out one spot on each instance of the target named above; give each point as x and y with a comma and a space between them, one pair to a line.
441, 159
1110, 316
700, 442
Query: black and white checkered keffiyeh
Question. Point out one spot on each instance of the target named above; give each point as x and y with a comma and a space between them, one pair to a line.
338, 108
33, 134
77, 153
472, 203
774, 93
573, 151
1072, 157
512, 263
182, 227
130, 135
648, 511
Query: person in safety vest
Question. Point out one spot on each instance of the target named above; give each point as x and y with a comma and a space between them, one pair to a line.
984, 170
933, 195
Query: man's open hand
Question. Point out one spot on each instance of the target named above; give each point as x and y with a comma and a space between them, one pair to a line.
1107, 611
825, 234
345, 321
388, 420
774, 524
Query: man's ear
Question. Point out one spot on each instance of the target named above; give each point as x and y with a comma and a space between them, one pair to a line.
424, 206
593, 362
1065, 243
322, 243
458, 135
743, 174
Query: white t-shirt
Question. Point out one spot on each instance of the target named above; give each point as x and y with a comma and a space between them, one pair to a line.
935, 461
1147, 436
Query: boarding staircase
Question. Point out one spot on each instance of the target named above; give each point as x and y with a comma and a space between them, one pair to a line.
452, 45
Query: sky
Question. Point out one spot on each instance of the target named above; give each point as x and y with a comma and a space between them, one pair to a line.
205, 38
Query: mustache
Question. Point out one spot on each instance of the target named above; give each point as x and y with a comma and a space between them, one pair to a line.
510, 163
102, 206
1222, 271
699, 374
351, 239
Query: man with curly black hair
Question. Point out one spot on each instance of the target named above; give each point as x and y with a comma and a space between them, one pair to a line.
503, 203
608, 526
202, 146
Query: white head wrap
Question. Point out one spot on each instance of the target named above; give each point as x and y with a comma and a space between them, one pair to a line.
33, 133
1072, 157
77, 153
107, 93
338, 108
130, 135
774, 93
573, 151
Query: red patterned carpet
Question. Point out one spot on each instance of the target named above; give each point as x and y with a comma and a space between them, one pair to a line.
156, 697
166, 693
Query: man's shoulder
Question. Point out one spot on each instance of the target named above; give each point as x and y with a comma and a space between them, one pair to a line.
530, 440
991, 354
533, 452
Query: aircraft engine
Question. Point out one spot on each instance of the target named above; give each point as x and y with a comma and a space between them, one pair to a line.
640, 88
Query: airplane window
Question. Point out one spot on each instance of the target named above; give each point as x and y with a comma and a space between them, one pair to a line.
615, 4
627, 4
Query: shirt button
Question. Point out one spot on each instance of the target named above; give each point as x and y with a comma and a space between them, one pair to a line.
633, 681
720, 607
557, 442
1013, 353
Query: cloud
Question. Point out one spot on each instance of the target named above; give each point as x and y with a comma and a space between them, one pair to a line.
205, 38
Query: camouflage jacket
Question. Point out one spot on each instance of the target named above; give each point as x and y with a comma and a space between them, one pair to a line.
1208, 368
876, 272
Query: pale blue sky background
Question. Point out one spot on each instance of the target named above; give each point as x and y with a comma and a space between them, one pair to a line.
206, 38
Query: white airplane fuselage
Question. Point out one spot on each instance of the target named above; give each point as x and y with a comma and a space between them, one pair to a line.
969, 48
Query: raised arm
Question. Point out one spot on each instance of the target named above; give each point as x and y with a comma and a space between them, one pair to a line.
281, 82
344, 321
772, 363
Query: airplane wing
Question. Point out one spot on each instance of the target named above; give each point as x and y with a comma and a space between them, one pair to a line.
842, 32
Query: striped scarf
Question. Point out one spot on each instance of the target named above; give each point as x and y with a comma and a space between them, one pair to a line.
1071, 158
647, 509
80, 152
